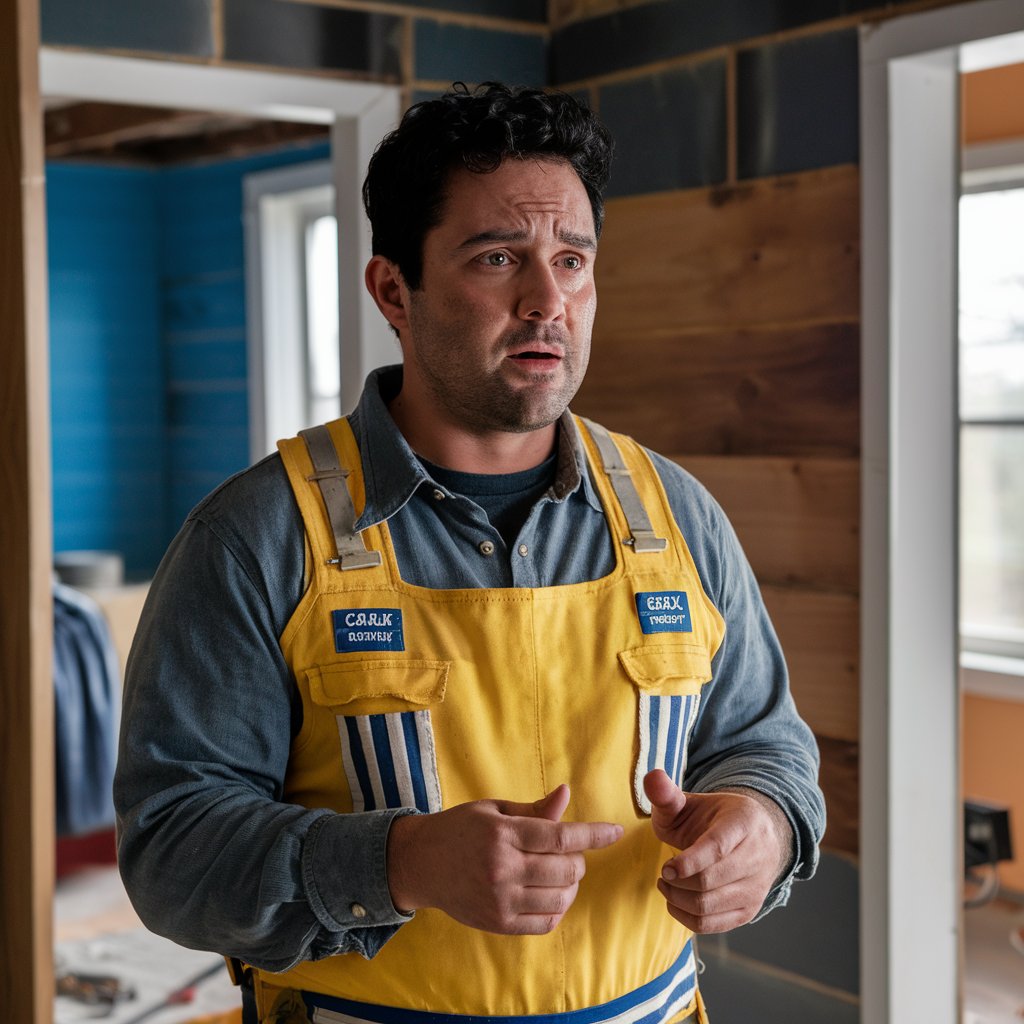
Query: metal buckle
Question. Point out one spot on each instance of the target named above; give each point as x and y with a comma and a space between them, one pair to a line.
646, 542
357, 560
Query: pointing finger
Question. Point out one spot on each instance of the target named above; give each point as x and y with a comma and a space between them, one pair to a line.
538, 836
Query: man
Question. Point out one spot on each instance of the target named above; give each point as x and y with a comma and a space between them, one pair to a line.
463, 706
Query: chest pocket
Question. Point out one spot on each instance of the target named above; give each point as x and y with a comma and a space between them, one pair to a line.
668, 680
383, 713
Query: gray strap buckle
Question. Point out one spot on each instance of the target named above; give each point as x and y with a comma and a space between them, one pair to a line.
330, 476
642, 538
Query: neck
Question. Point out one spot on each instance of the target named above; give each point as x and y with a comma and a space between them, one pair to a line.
446, 444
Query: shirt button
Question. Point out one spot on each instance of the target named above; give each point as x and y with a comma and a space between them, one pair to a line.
438, 495
358, 910
523, 550
486, 547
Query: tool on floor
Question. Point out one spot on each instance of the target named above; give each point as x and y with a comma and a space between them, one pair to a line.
184, 994
93, 989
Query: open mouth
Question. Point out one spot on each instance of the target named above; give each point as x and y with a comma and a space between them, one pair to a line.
536, 355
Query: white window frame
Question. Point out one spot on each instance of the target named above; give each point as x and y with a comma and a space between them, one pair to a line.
279, 204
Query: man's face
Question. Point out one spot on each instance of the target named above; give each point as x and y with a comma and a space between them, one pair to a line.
499, 330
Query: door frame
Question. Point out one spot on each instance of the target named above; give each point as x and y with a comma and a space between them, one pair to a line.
911, 821
26, 609
358, 113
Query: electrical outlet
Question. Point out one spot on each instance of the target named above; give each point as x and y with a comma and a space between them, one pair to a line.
986, 833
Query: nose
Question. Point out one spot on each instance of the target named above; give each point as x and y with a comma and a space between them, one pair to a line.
541, 299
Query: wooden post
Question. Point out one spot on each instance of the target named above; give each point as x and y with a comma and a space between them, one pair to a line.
26, 617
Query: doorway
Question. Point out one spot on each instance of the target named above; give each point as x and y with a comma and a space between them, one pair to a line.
353, 115
358, 115
912, 830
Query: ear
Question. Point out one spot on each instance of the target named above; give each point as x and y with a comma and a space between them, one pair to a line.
385, 284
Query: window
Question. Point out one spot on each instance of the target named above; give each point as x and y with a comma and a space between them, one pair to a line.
992, 414
323, 358
292, 288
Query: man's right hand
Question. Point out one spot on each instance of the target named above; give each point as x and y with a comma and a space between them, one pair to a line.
493, 864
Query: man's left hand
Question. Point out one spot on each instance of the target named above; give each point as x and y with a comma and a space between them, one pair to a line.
733, 847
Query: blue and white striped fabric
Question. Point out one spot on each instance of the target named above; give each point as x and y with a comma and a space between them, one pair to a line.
390, 761
657, 1001
665, 726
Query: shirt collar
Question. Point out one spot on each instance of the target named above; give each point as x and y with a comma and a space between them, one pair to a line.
392, 472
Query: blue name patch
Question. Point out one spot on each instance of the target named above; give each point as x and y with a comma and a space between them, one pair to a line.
368, 629
664, 611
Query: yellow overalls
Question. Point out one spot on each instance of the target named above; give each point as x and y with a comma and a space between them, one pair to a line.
413, 696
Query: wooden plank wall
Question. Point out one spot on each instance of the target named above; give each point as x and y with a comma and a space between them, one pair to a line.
727, 337
26, 615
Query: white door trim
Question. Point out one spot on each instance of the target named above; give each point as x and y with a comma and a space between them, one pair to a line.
911, 825
359, 113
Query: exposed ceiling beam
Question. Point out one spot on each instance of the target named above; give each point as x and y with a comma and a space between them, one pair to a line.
160, 135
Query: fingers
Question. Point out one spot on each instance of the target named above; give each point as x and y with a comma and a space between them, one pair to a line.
559, 872
546, 902
538, 836
720, 910
553, 806
726, 838
661, 790
537, 827
708, 861
530, 910
494, 865
726, 863
549, 864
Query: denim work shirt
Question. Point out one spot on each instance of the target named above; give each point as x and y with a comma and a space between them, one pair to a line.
210, 855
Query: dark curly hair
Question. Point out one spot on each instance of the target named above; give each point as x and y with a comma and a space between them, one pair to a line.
404, 190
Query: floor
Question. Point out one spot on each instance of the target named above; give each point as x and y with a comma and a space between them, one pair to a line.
994, 969
98, 933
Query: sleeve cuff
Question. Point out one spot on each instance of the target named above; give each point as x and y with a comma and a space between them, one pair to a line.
344, 870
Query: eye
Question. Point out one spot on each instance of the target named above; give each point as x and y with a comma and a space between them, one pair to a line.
572, 262
496, 259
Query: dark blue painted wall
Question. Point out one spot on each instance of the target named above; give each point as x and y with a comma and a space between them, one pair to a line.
147, 346
107, 383
203, 263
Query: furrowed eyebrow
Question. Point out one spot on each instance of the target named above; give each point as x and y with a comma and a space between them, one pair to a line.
579, 241
493, 235
500, 235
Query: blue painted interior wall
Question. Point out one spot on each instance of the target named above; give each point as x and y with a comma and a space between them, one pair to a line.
106, 364
147, 346
202, 257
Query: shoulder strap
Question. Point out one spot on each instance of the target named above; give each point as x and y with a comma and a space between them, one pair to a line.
330, 476
642, 537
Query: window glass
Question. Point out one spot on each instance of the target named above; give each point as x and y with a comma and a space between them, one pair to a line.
992, 421
992, 529
323, 357
992, 304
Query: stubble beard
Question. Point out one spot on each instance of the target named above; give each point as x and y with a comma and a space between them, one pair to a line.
488, 403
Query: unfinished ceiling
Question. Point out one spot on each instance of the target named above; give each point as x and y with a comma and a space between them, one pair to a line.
157, 136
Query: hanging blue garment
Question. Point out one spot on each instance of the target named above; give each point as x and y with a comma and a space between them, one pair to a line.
87, 692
